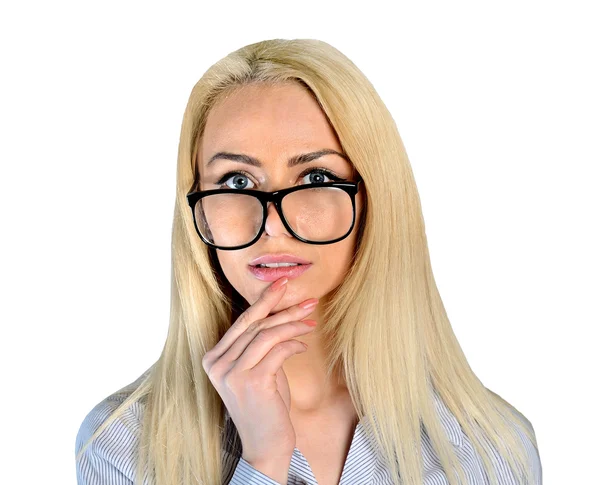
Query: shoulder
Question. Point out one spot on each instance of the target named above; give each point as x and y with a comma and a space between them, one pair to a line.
531, 445
111, 457
500, 464
525, 431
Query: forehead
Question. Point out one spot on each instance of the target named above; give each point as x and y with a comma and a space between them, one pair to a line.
268, 122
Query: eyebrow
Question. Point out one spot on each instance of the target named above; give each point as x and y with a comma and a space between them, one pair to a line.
292, 162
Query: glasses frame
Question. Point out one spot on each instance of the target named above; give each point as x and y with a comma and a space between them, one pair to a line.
351, 188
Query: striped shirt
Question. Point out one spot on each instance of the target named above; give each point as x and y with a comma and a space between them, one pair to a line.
110, 458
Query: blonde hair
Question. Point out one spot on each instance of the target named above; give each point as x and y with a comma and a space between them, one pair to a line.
385, 325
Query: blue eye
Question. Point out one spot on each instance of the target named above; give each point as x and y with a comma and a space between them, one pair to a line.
241, 178
320, 176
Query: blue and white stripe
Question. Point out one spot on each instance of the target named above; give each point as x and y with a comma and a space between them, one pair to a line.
109, 460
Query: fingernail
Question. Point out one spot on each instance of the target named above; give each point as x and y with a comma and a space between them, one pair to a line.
309, 304
310, 323
279, 284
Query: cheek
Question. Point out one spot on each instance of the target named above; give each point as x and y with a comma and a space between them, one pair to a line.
335, 262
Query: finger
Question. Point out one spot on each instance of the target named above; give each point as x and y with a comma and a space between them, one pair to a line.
267, 300
268, 339
259, 309
293, 313
273, 361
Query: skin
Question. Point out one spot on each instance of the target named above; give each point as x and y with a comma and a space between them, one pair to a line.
273, 123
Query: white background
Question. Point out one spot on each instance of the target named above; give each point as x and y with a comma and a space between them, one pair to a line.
497, 104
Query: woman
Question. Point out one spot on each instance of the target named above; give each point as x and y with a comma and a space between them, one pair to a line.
288, 155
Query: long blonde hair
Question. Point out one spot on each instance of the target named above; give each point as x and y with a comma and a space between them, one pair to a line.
385, 325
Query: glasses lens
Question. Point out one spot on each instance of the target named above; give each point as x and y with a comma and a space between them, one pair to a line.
321, 214
228, 220
316, 214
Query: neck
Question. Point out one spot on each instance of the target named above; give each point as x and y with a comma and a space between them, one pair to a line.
310, 389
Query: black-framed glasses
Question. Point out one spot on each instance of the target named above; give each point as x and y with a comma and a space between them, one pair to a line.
320, 213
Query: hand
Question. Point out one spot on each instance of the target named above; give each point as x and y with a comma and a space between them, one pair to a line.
245, 367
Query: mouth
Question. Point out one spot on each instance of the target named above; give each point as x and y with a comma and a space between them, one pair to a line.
274, 271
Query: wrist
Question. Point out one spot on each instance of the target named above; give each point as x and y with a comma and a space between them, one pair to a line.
276, 468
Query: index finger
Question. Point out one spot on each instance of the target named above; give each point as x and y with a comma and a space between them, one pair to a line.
258, 310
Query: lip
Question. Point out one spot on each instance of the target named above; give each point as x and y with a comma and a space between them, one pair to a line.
278, 258
272, 274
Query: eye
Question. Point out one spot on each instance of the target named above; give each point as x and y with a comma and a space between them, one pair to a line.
240, 180
319, 175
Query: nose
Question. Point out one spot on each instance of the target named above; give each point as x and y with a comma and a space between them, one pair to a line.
273, 224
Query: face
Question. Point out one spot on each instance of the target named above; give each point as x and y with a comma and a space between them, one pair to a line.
272, 124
